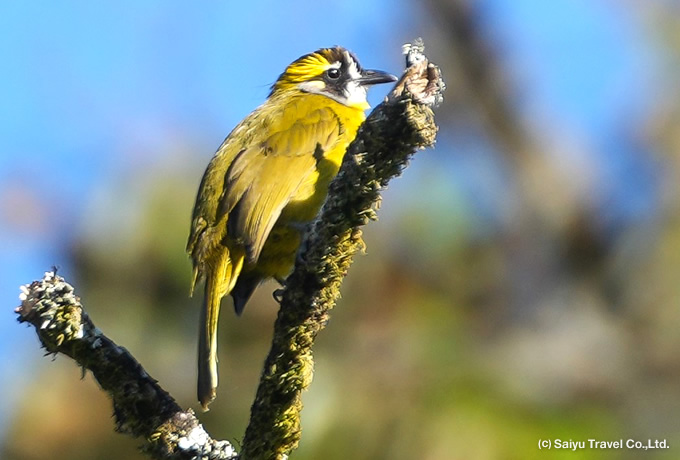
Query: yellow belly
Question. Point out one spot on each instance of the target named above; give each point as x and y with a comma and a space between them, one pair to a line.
278, 254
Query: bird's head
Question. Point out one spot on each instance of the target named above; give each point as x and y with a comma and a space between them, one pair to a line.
331, 72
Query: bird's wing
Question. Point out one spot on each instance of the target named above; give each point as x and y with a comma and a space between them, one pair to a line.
211, 190
264, 177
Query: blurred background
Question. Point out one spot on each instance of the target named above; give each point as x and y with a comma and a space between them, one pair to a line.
522, 282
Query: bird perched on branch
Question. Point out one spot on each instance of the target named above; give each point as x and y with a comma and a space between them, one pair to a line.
269, 179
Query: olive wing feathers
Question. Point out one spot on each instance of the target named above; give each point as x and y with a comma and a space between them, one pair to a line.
266, 176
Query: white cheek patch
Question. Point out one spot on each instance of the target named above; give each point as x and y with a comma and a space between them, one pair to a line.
313, 86
317, 86
355, 95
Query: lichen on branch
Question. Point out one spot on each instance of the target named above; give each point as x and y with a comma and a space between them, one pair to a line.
141, 407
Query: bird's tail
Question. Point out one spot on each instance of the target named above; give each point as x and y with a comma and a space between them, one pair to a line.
218, 283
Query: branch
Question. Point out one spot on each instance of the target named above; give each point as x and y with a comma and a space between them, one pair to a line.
140, 406
397, 128
382, 148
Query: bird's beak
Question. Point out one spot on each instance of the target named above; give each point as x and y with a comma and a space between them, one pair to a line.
374, 77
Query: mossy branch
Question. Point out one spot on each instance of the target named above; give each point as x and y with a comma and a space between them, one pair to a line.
141, 407
393, 132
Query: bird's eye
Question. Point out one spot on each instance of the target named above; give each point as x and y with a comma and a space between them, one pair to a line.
333, 73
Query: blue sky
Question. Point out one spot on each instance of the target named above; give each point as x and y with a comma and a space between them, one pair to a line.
83, 86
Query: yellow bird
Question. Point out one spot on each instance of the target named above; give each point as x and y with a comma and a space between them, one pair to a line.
267, 180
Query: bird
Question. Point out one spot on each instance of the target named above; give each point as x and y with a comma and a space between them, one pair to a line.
267, 181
